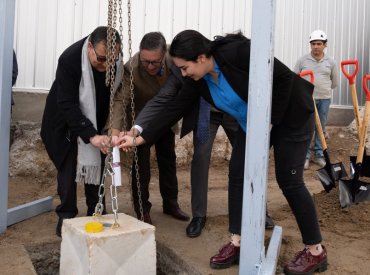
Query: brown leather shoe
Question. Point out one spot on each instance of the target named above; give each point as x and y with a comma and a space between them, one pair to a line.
225, 257
176, 212
306, 263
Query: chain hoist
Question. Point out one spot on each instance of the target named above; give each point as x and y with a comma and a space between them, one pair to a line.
110, 79
112, 52
132, 96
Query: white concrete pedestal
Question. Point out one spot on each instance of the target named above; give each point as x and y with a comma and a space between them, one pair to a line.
128, 249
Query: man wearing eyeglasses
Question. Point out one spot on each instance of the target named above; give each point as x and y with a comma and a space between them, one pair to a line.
150, 69
73, 122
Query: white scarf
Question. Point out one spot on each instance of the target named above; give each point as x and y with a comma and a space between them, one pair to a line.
88, 157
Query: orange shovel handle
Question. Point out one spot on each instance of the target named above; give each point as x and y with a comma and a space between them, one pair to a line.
365, 121
320, 132
364, 85
310, 73
351, 77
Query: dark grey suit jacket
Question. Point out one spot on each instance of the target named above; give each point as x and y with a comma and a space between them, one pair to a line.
166, 94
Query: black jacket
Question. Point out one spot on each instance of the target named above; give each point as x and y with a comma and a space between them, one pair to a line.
167, 93
63, 121
292, 102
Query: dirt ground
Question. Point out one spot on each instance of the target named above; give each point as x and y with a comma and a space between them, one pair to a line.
345, 231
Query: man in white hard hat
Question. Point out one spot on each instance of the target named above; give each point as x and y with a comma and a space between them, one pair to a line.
325, 72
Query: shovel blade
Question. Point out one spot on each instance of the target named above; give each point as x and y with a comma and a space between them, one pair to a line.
365, 165
331, 173
346, 195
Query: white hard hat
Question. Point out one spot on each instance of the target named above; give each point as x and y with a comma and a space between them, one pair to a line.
318, 35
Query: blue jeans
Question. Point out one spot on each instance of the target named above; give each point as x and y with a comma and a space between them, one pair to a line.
322, 106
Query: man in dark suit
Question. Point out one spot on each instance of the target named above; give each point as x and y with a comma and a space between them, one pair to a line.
73, 122
150, 70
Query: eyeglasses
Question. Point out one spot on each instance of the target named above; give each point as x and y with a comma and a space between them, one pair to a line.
102, 59
146, 63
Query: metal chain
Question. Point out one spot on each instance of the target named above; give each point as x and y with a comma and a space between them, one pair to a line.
120, 19
114, 196
131, 68
110, 79
112, 68
113, 187
123, 90
99, 208
101, 193
109, 38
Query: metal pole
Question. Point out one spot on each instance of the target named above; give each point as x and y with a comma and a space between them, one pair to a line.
252, 257
28, 210
7, 8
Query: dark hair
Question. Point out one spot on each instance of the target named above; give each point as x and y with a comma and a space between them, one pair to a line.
189, 44
101, 34
153, 41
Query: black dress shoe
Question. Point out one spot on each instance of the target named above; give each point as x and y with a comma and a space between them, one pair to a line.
194, 229
176, 212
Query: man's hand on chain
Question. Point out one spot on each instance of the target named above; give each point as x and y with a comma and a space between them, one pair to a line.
101, 142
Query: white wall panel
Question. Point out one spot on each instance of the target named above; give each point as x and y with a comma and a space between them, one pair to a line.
346, 24
26, 15
192, 14
152, 15
45, 38
45, 28
216, 13
180, 12
166, 17
204, 16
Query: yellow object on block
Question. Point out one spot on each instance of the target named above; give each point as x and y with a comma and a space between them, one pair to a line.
93, 227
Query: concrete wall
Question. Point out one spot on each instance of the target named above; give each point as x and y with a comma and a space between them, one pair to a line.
43, 29
28, 106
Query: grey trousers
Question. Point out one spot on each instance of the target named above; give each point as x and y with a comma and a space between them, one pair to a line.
201, 160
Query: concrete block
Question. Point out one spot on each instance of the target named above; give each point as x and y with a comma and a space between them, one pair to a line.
128, 249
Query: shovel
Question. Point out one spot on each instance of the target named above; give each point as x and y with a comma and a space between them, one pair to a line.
330, 173
352, 84
365, 168
356, 190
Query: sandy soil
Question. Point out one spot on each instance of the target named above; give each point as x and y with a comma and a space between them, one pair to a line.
345, 231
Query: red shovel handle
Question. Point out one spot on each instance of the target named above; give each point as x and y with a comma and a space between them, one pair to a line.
351, 77
364, 85
310, 73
